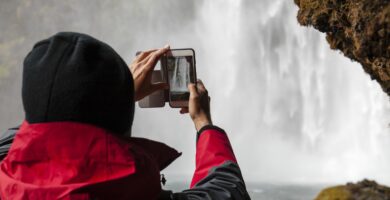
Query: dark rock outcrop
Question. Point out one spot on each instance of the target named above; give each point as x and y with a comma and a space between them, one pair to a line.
359, 28
363, 190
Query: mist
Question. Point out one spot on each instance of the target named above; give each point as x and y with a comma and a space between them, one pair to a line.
295, 111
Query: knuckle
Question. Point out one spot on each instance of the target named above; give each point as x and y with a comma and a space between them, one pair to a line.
194, 97
142, 54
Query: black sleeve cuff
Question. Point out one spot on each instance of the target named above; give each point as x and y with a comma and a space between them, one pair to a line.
208, 127
166, 195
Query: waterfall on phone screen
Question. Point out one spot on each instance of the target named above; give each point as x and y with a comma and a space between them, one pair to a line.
174, 77
180, 77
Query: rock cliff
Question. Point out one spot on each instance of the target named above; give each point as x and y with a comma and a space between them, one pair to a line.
359, 28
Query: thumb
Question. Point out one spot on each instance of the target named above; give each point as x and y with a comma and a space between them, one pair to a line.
192, 89
159, 86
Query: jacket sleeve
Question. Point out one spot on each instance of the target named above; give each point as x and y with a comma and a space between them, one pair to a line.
6, 140
217, 174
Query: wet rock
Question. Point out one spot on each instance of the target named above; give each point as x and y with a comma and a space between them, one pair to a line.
359, 28
363, 190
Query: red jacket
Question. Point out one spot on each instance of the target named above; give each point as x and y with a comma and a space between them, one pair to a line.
68, 160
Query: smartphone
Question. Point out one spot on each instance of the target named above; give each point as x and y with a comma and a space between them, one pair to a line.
180, 69
158, 98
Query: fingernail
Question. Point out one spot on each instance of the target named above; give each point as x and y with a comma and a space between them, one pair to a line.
167, 46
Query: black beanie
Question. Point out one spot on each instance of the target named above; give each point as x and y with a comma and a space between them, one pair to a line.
74, 77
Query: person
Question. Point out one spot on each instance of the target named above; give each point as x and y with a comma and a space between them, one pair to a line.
75, 142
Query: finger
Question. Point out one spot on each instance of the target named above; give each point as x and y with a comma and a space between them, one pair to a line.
184, 110
158, 52
159, 86
201, 87
144, 54
150, 50
155, 56
192, 89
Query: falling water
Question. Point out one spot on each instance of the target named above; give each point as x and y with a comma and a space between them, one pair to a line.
180, 75
295, 111
299, 112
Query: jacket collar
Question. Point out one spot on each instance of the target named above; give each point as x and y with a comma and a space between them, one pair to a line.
75, 156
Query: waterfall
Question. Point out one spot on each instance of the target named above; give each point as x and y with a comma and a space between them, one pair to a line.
295, 111
180, 75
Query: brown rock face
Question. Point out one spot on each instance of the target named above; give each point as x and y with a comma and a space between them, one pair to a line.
359, 28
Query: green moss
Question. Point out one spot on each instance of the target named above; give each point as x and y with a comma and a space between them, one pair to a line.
335, 193
365, 189
309, 4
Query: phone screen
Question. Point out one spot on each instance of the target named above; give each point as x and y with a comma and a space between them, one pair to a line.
180, 72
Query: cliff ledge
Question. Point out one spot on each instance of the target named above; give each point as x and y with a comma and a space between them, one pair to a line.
359, 28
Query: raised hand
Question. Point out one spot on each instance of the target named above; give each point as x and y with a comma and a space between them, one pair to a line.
142, 68
199, 105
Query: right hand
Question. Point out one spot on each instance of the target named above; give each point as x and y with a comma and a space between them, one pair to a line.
142, 69
199, 105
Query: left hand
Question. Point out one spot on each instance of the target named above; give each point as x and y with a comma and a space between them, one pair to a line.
142, 68
198, 105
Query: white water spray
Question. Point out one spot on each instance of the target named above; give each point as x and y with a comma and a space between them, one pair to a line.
295, 110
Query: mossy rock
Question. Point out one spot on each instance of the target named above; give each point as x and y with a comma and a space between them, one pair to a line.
358, 28
364, 190
333, 193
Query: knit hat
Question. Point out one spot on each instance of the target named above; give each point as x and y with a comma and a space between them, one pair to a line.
75, 77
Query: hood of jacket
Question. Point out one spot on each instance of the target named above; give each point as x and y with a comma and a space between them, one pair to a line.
75, 77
